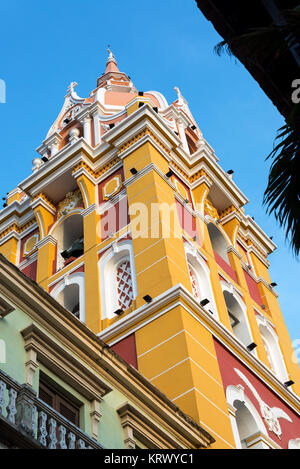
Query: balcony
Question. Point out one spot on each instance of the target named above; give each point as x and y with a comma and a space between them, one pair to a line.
27, 422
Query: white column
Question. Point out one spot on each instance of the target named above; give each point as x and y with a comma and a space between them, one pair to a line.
96, 128
87, 129
181, 128
53, 148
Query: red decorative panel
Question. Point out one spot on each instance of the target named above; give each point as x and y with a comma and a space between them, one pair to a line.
226, 267
253, 289
114, 219
258, 393
30, 270
102, 183
23, 242
126, 348
186, 220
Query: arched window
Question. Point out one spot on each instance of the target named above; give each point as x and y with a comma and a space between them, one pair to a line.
245, 420
70, 241
200, 278
69, 299
124, 284
218, 241
238, 316
117, 279
71, 295
272, 348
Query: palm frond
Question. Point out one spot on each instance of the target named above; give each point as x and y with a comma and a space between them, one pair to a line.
282, 196
266, 43
261, 46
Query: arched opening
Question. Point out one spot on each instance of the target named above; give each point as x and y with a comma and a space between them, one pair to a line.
273, 351
200, 278
238, 318
70, 293
245, 419
69, 299
70, 240
218, 242
246, 424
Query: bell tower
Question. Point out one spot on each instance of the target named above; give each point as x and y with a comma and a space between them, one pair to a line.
129, 221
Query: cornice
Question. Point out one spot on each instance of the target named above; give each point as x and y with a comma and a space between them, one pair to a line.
75, 338
234, 251
117, 136
54, 139
46, 240
66, 158
15, 208
83, 171
29, 260
89, 210
255, 251
12, 234
141, 141
265, 243
231, 216
180, 296
41, 201
50, 353
267, 285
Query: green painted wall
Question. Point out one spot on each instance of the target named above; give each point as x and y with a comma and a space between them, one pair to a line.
110, 430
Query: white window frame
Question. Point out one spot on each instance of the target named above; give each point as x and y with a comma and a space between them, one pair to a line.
227, 287
108, 285
202, 272
76, 278
236, 393
272, 348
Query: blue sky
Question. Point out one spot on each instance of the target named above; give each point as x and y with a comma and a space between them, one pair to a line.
47, 44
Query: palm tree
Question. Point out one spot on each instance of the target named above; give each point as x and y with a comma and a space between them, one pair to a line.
282, 196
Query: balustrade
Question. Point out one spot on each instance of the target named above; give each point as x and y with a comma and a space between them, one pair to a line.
22, 409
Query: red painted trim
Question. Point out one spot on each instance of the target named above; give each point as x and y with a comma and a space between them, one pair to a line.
186, 220
253, 289
126, 348
30, 270
115, 218
226, 267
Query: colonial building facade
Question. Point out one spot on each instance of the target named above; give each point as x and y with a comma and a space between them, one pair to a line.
130, 223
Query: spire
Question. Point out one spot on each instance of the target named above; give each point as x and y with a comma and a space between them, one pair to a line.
111, 64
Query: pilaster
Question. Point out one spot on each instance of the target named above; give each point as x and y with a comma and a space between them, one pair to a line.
47, 252
160, 260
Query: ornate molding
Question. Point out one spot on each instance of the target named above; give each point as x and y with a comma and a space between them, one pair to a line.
71, 201
41, 348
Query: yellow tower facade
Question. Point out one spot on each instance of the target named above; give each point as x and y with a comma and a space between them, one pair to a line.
129, 222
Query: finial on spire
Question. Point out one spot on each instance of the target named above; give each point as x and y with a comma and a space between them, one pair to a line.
111, 55
180, 97
111, 64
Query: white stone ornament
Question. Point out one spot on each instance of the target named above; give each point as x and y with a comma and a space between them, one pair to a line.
270, 414
294, 444
37, 163
74, 135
